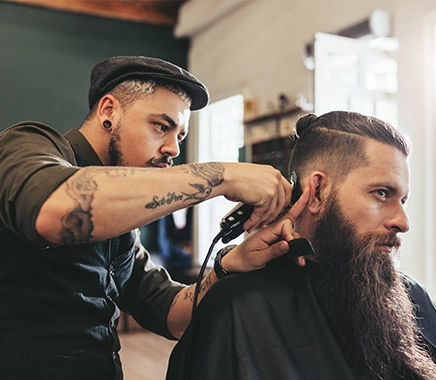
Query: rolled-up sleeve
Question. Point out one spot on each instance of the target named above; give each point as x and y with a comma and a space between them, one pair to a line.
34, 161
149, 293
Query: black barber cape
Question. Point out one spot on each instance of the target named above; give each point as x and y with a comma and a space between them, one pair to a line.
269, 324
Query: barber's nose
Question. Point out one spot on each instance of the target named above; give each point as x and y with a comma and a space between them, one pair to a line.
171, 147
399, 220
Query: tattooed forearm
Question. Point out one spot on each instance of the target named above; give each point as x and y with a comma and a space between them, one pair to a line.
168, 199
206, 284
198, 196
187, 295
212, 172
77, 224
119, 172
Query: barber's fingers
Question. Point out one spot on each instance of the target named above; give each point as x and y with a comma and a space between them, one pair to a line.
257, 259
269, 214
283, 199
266, 213
301, 261
294, 213
288, 194
258, 249
273, 251
284, 228
299, 206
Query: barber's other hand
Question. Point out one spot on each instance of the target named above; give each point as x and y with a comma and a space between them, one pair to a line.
266, 244
259, 185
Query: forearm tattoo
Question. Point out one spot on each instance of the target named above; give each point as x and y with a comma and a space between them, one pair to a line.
206, 284
188, 295
77, 225
211, 172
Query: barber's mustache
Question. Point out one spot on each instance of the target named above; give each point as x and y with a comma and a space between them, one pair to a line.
156, 161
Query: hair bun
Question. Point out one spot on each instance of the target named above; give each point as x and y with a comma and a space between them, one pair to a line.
305, 122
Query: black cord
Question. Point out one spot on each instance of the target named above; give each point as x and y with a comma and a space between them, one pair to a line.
203, 268
187, 360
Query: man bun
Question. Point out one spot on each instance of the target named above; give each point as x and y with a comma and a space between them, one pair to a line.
304, 123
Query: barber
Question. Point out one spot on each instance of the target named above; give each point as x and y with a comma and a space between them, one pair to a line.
70, 207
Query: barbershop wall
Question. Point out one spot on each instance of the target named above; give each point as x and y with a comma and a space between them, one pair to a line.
257, 47
47, 56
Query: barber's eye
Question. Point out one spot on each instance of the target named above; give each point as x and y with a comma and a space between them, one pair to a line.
161, 127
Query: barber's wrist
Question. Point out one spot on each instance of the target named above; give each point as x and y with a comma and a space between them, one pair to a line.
220, 272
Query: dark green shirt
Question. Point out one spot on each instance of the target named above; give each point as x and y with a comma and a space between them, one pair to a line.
60, 305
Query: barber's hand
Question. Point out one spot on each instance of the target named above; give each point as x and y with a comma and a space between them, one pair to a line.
259, 185
266, 244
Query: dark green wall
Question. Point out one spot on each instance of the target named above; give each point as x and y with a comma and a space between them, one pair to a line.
46, 57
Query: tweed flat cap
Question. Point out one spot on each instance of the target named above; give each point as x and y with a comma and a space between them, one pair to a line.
111, 72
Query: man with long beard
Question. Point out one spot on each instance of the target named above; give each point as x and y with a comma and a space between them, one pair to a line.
345, 312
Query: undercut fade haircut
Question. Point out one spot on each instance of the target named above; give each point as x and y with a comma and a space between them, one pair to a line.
335, 142
130, 90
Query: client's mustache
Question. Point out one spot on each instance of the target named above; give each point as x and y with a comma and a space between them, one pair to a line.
391, 240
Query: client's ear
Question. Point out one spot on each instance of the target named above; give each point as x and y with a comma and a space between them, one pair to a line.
318, 186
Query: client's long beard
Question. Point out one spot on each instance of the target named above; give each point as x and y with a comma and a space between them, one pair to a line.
367, 302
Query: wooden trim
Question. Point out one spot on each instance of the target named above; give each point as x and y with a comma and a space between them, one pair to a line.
152, 11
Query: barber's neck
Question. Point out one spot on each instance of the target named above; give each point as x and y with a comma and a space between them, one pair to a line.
97, 137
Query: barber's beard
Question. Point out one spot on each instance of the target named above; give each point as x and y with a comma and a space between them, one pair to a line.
367, 302
115, 153
114, 148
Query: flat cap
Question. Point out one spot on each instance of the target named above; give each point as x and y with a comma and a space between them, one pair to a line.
111, 72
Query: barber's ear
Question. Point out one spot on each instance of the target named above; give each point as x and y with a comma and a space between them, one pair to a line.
106, 107
318, 190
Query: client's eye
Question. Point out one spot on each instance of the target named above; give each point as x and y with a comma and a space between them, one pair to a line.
381, 193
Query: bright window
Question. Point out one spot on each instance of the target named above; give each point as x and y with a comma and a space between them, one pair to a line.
220, 136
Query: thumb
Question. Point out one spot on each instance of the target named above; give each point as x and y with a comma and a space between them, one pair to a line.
264, 256
278, 249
